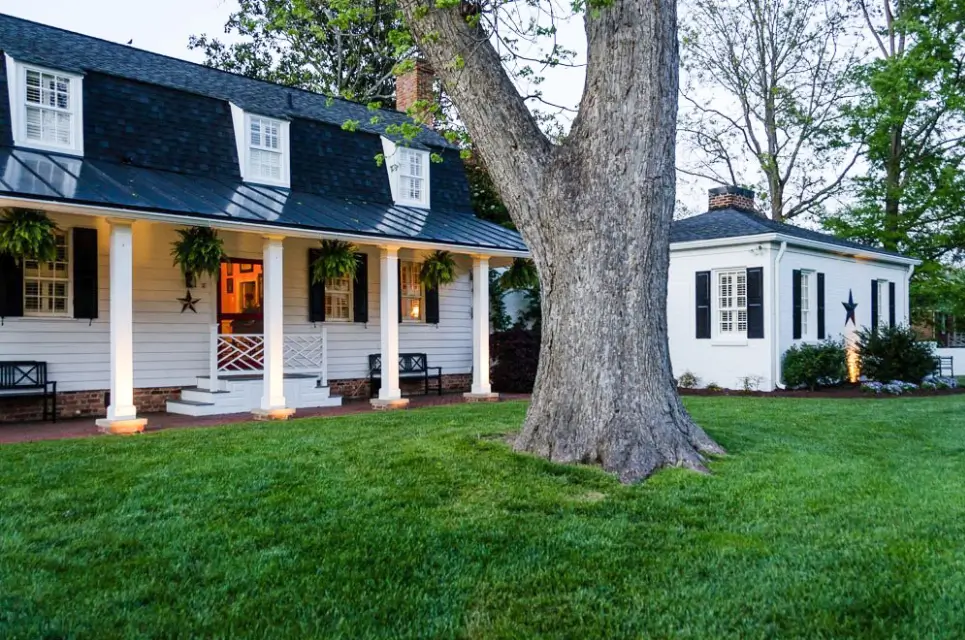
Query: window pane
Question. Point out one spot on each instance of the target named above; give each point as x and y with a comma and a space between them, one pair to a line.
34, 126
265, 164
412, 188
256, 132
33, 86
412, 308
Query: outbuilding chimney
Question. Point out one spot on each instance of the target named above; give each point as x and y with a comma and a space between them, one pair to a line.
731, 197
414, 86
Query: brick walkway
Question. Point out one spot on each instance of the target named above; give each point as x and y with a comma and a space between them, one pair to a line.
84, 427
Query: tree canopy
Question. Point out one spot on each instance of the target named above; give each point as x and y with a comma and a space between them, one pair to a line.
328, 46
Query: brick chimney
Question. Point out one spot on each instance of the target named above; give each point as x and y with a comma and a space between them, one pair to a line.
413, 86
731, 197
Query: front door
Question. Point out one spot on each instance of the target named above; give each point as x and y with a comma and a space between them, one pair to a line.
241, 297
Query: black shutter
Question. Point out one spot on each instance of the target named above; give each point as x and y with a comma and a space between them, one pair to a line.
821, 326
703, 304
11, 287
891, 304
874, 305
755, 303
796, 303
360, 289
316, 290
85, 273
400, 291
432, 305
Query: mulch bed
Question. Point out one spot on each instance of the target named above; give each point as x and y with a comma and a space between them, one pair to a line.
846, 391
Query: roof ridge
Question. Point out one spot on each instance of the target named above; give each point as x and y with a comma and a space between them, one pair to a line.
191, 62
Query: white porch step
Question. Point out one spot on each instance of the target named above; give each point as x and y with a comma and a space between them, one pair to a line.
242, 393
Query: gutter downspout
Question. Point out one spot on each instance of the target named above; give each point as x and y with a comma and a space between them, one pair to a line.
911, 272
776, 318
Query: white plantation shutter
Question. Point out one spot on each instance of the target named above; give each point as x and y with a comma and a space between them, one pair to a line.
48, 115
264, 154
412, 175
732, 301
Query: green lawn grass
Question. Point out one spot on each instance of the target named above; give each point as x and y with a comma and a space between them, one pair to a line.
830, 518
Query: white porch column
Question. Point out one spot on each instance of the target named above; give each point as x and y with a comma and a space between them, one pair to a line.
122, 414
273, 405
481, 389
390, 396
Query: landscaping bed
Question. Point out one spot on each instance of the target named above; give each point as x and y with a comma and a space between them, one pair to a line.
844, 392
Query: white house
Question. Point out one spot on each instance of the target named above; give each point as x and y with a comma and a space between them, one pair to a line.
122, 147
744, 288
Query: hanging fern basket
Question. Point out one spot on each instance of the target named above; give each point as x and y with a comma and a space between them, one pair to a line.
336, 259
27, 234
438, 269
520, 276
198, 251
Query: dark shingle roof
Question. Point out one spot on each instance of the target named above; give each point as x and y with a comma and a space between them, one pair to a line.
47, 176
73, 52
733, 223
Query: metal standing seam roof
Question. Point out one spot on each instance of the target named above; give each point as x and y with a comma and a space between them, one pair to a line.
734, 223
71, 180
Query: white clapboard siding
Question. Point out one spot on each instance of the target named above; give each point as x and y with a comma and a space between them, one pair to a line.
171, 347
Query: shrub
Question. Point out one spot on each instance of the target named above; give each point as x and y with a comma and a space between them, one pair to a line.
516, 353
815, 365
713, 386
751, 383
894, 388
688, 380
933, 382
894, 353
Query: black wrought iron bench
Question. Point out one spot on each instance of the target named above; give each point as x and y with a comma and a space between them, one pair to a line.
944, 366
412, 366
29, 378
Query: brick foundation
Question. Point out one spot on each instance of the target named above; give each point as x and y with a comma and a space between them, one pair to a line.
84, 404
354, 388
93, 404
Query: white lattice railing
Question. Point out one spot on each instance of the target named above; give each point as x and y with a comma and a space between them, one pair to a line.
241, 352
245, 353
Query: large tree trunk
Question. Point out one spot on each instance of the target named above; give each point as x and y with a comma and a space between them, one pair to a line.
596, 214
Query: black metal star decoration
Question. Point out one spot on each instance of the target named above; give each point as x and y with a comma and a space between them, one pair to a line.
850, 306
187, 302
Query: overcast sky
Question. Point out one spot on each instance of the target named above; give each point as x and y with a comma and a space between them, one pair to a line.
164, 26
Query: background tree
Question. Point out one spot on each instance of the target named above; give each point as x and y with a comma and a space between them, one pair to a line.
765, 84
911, 120
327, 46
595, 211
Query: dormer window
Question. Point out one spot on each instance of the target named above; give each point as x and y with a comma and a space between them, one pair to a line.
46, 108
262, 148
412, 175
408, 174
265, 155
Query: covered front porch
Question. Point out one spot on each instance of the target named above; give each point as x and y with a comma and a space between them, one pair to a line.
249, 339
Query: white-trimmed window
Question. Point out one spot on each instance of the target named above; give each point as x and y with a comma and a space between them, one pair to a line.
732, 302
263, 150
412, 176
410, 285
338, 300
806, 304
46, 108
46, 285
883, 303
408, 174
264, 153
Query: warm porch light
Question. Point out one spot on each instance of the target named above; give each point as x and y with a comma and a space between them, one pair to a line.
854, 368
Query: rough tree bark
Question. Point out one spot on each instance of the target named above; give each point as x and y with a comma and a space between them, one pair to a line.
595, 212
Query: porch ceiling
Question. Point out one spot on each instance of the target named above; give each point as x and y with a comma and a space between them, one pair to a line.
54, 177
